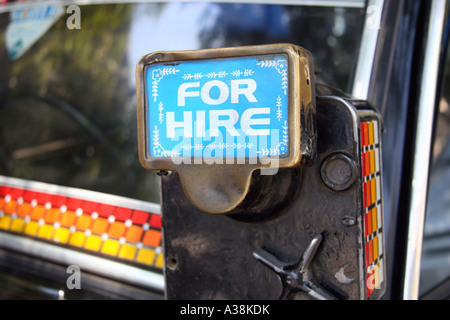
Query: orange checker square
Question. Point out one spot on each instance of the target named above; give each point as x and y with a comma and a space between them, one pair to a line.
100, 226
38, 212
2, 202
84, 222
152, 238
116, 230
68, 219
24, 210
52, 215
134, 233
10, 207
367, 163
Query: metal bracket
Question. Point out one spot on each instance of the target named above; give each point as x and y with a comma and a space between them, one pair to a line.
298, 277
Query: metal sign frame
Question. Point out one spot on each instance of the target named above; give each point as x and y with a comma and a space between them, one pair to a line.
221, 188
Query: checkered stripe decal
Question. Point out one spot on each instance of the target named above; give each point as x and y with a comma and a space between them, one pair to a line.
105, 229
372, 206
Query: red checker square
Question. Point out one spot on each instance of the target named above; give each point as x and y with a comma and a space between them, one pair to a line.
29, 196
16, 193
105, 210
4, 190
155, 221
363, 142
43, 198
122, 213
139, 217
73, 204
366, 134
58, 201
90, 206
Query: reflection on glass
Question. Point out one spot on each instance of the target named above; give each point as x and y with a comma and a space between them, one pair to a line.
68, 105
435, 264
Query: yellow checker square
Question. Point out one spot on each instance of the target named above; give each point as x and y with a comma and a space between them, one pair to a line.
127, 251
46, 231
372, 161
375, 248
17, 225
61, 235
31, 228
374, 219
77, 239
371, 134
159, 261
146, 256
373, 190
5, 221
111, 247
93, 242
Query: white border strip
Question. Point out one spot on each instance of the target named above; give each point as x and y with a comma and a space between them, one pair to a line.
422, 149
82, 194
317, 3
97, 265
369, 40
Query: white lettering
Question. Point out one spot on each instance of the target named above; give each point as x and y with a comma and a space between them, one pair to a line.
247, 121
245, 87
186, 124
236, 90
182, 94
228, 123
224, 92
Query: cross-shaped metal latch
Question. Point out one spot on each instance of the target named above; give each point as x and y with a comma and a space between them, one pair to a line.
297, 277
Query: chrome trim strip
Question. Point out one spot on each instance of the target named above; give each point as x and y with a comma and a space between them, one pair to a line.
83, 194
86, 262
316, 3
369, 40
422, 148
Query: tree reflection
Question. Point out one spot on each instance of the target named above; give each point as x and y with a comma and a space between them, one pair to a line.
70, 113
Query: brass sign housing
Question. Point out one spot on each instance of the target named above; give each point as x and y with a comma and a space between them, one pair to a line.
216, 115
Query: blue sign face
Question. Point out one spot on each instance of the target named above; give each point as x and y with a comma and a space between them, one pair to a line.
224, 107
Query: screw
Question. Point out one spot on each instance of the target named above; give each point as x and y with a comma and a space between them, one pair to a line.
348, 221
338, 172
